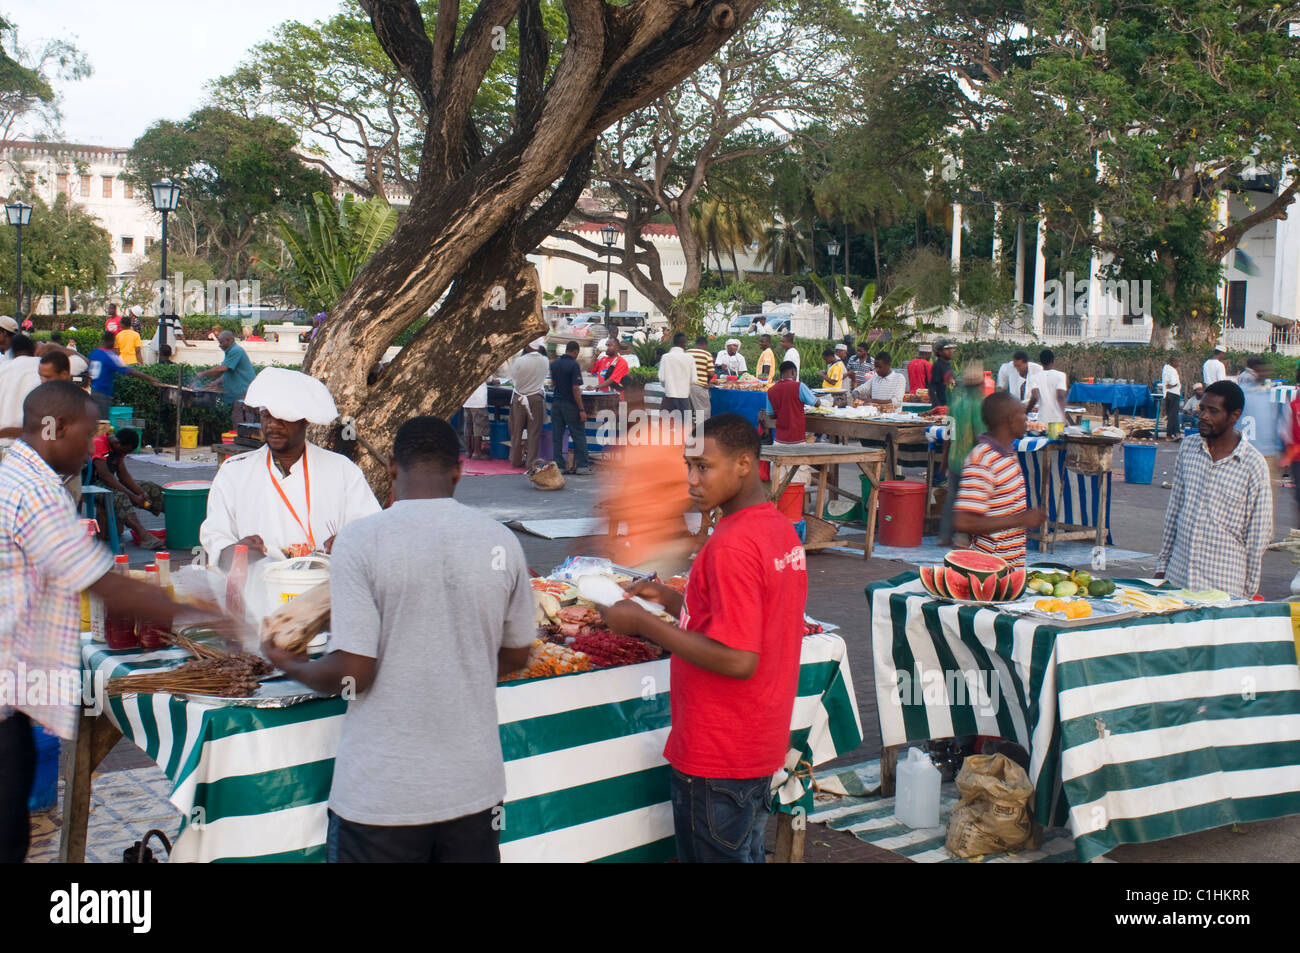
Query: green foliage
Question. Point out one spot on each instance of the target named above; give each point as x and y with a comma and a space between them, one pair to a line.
561, 295
63, 245
646, 374
339, 238
160, 418
29, 100
646, 351
884, 322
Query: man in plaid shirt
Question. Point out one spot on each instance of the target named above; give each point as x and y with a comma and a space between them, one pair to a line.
1220, 513
46, 559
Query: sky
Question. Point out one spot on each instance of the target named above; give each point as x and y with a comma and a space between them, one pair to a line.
151, 58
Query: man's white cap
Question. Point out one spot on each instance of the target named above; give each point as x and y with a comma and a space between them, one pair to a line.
841, 347
8, 324
1220, 349
291, 395
539, 344
731, 341
135, 311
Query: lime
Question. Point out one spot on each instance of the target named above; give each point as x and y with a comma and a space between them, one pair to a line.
1098, 587
1065, 589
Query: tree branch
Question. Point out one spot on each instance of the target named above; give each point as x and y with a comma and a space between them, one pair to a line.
400, 30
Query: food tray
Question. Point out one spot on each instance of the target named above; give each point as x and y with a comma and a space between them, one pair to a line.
1103, 611
272, 693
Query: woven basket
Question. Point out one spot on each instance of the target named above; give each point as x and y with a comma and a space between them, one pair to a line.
547, 477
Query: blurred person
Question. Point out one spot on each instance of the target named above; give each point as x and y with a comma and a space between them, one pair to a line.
18, 378
1013, 376
128, 342
676, 374
918, 370
966, 414
645, 493
699, 353
765, 369
1220, 513
105, 367
54, 366
478, 428
112, 324
8, 328
1047, 391
941, 373
1261, 417
528, 402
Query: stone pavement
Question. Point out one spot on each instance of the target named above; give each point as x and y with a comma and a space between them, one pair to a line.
836, 582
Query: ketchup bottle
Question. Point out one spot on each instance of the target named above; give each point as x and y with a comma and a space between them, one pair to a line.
119, 631
150, 634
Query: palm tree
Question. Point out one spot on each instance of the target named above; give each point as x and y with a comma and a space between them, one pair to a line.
726, 222
338, 239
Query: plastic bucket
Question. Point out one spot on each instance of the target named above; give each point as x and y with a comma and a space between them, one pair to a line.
500, 431
45, 785
291, 578
116, 416
901, 513
791, 503
185, 506
189, 437
1139, 462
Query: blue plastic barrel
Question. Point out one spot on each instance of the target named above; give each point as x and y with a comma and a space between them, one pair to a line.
45, 786
500, 431
1139, 462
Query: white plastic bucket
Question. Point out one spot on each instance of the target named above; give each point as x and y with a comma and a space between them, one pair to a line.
290, 578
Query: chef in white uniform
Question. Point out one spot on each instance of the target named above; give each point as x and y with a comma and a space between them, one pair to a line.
290, 492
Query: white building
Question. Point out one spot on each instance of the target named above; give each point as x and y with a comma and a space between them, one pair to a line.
92, 177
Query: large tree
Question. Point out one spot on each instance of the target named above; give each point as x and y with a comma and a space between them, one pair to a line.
748, 101
1173, 102
64, 246
478, 210
29, 78
235, 175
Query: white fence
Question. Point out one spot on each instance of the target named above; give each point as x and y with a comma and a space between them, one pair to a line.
1017, 328
1243, 339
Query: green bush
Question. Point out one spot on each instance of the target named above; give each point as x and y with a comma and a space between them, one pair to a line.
159, 417
647, 374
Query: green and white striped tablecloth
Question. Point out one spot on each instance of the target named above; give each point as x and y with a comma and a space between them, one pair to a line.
1137, 731
585, 775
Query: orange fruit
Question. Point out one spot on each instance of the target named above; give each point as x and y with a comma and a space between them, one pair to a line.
1078, 610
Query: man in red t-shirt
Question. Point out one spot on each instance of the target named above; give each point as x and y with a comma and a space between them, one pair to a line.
735, 657
785, 403
113, 323
610, 369
918, 370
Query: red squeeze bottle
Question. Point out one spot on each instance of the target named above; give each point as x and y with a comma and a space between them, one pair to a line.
235, 582
119, 631
150, 634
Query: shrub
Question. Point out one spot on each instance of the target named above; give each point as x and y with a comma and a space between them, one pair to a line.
159, 417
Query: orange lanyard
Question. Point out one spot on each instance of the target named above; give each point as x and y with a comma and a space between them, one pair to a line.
306, 483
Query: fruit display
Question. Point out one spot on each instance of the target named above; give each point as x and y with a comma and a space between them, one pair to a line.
1062, 584
968, 575
1149, 601
1071, 608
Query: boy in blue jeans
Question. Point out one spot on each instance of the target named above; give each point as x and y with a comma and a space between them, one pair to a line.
735, 657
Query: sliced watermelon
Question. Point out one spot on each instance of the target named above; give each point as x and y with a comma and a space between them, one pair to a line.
1015, 584
958, 583
927, 579
984, 590
940, 582
976, 564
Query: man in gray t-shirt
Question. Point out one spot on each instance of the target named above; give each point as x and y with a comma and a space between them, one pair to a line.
430, 602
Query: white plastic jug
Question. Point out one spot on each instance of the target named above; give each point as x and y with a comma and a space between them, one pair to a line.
916, 799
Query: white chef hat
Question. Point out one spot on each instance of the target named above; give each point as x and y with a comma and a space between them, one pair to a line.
291, 395
731, 341
539, 344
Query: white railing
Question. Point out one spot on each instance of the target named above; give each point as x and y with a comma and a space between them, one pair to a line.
1057, 329
1243, 339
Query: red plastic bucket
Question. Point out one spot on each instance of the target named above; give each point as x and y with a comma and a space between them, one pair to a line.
901, 512
791, 502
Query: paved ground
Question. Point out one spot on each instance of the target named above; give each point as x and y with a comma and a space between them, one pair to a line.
836, 584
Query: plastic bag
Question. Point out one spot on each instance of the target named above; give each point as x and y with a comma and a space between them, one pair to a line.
993, 814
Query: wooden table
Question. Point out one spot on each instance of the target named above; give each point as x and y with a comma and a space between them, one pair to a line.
891, 433
786, 460
1051, 488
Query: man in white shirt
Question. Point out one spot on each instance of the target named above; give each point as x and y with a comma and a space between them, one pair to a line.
730, 361
676, 374
528, 404
290, 493
1171, 385
791, 353
1014, 375
886, 388
1213, 370
1047, 391
8, 328
18, 378
477, 427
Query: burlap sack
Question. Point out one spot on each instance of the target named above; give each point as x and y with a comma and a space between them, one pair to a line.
994, 813
547, 477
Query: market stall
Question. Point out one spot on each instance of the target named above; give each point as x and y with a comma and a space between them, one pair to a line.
902, 436
585, 775
1140, 724
1116, 398
825, 460
749, 403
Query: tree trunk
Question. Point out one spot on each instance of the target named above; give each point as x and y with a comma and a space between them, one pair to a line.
475, 214
875, 248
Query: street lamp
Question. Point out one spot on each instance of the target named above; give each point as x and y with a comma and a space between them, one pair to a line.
19, 214
832, 249
166, 196
608, 235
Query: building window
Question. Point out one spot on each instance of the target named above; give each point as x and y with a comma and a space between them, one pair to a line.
63, 183
128, 244
590, 296
148, 243
108, 186
85, 186
1236, 304
128, 188
622, 301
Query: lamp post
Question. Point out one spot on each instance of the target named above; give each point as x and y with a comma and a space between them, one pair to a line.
608, 235
166, 196
18, 214
832, 249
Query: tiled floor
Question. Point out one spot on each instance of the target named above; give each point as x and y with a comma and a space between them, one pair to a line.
124, 805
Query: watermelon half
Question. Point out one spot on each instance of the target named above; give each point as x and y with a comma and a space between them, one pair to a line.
979, 566
957, 583
1015, 584
985, 590
927, 579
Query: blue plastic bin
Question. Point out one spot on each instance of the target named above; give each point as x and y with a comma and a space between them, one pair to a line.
500, 431
1139, 462
45, 786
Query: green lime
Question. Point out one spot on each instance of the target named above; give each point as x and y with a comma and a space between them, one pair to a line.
1097, 587
1064, 589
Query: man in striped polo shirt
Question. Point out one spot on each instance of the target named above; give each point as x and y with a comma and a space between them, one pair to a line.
700, 387
991, 500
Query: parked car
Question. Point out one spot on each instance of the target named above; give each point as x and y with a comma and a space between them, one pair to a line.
252, 313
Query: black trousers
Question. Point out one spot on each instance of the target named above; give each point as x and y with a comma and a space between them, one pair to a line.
17, 772
1173, 409
472, 839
